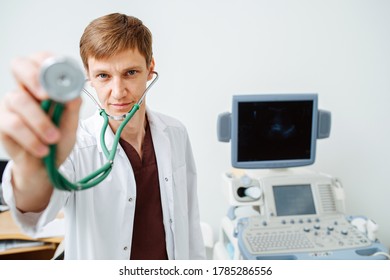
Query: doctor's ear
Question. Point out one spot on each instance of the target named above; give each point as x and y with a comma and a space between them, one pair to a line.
151, 69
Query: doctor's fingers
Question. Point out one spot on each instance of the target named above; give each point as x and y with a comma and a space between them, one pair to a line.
26, 71
17, 138
70, 117
26, 123
68, 127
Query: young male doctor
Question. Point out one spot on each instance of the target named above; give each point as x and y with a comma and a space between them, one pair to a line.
147, 207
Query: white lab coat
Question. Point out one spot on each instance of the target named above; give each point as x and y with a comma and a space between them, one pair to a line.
99, 221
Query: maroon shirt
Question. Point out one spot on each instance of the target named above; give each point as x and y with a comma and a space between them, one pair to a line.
148, 230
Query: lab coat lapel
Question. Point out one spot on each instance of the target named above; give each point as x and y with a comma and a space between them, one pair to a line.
162, 148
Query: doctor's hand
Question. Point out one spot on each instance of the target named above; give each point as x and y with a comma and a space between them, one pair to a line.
26, 131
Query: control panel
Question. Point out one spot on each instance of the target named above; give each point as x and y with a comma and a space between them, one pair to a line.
314, 236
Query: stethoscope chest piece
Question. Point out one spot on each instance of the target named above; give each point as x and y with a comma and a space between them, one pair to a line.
62, 78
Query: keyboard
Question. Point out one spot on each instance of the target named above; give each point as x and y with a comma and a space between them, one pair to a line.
261, 236
266, 242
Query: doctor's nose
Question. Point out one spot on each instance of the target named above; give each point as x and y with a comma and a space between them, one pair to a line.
118, 88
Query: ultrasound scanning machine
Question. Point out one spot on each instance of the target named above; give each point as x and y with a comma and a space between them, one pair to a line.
279, 209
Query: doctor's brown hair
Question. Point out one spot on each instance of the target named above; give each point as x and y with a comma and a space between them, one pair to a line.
111, 34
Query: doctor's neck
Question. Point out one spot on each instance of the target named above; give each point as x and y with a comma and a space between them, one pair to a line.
134, 131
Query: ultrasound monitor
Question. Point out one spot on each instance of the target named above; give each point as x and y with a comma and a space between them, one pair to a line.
273, 130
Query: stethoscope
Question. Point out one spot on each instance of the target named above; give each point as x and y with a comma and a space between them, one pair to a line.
64, 80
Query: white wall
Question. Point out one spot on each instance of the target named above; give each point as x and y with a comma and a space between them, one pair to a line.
206, 51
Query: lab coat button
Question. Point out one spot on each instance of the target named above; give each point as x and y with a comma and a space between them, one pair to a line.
166, 179
130, 199
170, 221
125, 248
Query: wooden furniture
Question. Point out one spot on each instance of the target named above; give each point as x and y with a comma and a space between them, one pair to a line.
9, 230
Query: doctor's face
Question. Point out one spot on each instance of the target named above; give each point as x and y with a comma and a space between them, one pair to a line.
119, 80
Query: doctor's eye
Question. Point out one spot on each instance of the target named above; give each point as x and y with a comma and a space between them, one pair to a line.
102, 76
131, 72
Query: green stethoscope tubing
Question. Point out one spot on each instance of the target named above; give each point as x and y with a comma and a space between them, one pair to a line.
55, 176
